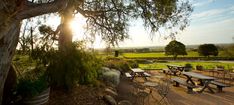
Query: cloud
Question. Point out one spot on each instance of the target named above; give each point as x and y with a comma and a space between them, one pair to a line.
214, 14
197, 4
232, 9
216, 32
209, 13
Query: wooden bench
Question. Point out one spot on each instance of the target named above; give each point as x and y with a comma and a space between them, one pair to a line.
128, 75
147, 74
219, 85
181, 81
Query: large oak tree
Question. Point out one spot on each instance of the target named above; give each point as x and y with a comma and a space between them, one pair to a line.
175, 48
107, 18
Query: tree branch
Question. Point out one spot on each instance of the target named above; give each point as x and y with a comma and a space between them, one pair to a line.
33, 9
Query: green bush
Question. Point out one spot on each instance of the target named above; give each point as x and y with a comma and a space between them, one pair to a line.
33, 82
199, 67
118, 64
188, 67
70, 67
74, 66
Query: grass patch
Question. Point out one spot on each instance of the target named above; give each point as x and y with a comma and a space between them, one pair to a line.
206, 65
161, 54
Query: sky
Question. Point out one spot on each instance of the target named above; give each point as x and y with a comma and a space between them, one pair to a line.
212, 21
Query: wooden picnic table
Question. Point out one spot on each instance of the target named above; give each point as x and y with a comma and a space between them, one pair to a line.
174, 69
139, 72
203, 79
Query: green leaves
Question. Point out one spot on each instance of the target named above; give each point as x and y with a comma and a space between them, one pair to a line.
111, 18
32, 82
175, 48
208, 49
75, 66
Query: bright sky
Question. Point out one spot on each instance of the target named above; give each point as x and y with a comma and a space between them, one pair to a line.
212, 21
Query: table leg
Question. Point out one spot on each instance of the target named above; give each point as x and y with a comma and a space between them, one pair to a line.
143, 75
174, 73
189, 79
201, 82
133, 75
206, 85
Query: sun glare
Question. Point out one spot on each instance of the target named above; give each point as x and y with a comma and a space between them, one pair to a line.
78, 29
77, 26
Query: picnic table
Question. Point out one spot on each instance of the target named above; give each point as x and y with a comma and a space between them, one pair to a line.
204, 80
137, 72
175, 69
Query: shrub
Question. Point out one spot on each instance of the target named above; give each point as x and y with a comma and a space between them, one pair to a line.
199, 67
118, 64
32, 82
67, 68
75, 67
188, 67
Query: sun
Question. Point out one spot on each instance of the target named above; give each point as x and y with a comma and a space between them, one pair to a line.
77, 26
78, 30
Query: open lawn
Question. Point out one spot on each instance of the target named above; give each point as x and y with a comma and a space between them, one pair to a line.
205, 64
159, 54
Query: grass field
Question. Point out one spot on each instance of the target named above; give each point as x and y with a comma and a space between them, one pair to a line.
205, 64
158, 54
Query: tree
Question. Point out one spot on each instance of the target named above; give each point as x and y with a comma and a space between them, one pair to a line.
175, 48
108, 18
28, 37
207, 50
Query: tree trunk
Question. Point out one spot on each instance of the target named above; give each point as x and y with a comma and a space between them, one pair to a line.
65, 36
9, 86
174, 56
31, 39
8, 43
12, 12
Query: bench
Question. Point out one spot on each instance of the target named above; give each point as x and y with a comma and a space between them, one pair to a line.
128, 75
147, 74
181, 81
219, 85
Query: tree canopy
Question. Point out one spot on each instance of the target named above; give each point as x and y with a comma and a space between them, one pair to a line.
175, 48
110, 18
207, 50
